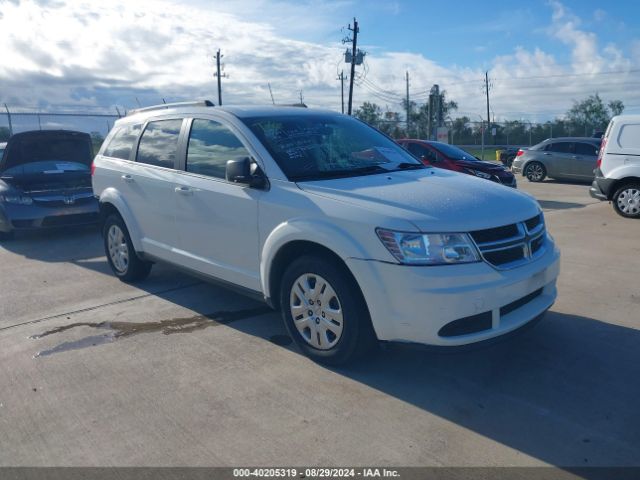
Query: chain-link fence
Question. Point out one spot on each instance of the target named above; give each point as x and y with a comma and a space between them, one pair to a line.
15, 120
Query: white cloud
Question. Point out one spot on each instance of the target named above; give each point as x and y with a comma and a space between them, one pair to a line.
91, 53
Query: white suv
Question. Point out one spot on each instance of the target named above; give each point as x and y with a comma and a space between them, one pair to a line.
327, 219
617, 173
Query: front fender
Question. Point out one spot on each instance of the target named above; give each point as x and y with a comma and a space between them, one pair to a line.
113, 197
323, 233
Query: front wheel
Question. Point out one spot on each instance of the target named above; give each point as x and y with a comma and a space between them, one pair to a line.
324, 311
122, 258
535, 172
626, 200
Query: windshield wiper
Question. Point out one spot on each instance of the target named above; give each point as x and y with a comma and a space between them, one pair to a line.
409, 166
326, 174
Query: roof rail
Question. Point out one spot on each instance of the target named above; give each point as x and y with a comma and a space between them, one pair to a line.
201, 103
301, 105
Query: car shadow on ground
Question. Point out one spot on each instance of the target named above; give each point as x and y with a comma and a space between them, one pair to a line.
562, 392
72, 244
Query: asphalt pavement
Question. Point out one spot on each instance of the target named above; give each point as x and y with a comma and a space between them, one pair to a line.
177, 372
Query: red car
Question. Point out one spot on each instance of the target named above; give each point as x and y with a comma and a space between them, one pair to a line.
446, 156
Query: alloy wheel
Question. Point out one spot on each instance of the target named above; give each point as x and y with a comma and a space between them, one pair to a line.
118, 248
535, 172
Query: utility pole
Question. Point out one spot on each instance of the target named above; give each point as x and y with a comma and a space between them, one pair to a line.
271, 93
341, 77
9, 117
355, 31
301, 98
486, 87
408, 104
219, 75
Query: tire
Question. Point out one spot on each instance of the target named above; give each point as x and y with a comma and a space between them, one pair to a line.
122, 257
333, 332
535, 172
6, 236
626, 200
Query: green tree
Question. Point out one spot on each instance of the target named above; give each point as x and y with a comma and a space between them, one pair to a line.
616, 107
592, 112
370, 113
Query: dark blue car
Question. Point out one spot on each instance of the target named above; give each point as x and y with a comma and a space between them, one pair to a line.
45, 181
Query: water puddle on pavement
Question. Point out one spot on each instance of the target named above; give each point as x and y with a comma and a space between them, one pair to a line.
118, 330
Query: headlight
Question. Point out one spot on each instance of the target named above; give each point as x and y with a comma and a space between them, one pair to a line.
478, 173
16, 199
429, 248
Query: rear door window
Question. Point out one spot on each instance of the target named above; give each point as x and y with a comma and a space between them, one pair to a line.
123, 142
588, 149
560, 147
159, 143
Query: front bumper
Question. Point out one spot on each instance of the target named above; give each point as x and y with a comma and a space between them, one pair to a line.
413, 304
32, 217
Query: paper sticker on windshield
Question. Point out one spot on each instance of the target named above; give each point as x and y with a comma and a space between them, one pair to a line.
70, 166
391, 154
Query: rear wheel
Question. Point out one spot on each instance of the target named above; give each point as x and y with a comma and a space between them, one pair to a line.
324, 311
122, 258
535, 172
626, 200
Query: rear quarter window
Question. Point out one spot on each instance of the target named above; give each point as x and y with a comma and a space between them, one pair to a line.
122, 142
629, 136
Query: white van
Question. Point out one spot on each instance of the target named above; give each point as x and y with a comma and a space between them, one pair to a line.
617, 174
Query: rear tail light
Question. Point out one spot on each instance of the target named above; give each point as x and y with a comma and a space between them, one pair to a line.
601, 153
93, 168
520, 152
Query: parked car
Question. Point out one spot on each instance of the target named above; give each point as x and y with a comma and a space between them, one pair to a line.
507, 155
572, 158
617, 175
3, 145
45, 181
324, 217
449, 157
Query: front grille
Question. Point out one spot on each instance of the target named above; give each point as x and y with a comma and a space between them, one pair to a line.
512, 245
67, 220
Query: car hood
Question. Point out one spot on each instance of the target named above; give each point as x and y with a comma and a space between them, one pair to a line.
433, 200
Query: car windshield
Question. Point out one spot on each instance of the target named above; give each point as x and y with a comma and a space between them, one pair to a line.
454, 153
313, 147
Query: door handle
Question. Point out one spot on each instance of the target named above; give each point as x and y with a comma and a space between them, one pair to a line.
183, 190
547, 153
575, 156
127, 178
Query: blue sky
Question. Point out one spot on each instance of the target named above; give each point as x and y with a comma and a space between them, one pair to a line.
542, 55
472, 33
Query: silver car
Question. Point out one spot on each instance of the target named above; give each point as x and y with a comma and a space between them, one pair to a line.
563, 158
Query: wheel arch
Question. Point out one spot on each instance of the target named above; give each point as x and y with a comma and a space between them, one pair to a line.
620, 183
110, 202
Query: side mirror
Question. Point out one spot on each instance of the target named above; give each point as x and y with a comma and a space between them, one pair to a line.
245, 172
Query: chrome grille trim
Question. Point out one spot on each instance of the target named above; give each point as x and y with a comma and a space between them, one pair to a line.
524, 239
